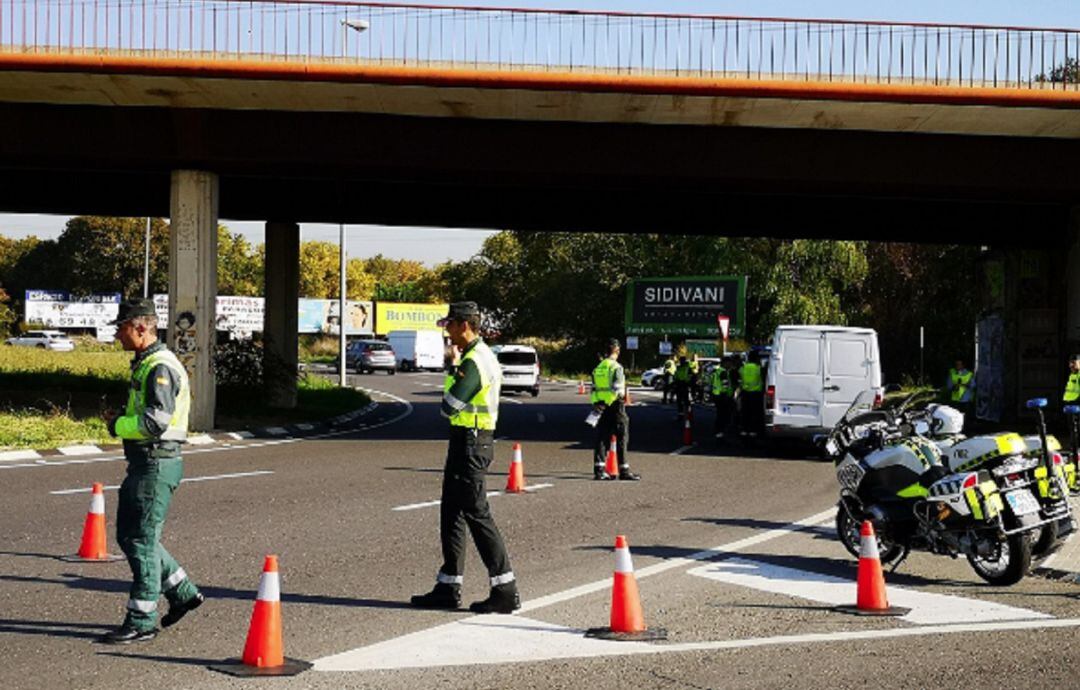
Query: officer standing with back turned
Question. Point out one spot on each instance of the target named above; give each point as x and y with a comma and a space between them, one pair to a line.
471, 402
153, 425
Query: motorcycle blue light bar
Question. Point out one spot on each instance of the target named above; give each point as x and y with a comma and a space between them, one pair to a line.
1036, 402
1072, 409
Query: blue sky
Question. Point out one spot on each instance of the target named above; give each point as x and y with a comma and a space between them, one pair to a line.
431, 245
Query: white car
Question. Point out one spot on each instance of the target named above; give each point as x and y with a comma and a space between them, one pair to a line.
520, 368
46, 340
653, 378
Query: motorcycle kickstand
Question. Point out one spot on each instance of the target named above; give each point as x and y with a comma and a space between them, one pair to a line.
903, 557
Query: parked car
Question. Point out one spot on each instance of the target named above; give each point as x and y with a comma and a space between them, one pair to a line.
415, 350
370, 355
520, 368
45, 340
653, 378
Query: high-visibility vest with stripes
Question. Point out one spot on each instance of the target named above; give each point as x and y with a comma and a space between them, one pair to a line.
603, 382
129, 426
669, 366
682, 372
1072, 388
960, 383
483, 410
721, 382
750, 375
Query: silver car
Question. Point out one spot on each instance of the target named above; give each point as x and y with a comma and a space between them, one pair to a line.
370, 355
45, 340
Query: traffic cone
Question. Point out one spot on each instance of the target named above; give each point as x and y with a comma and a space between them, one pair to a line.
628, 401
687, 432
627, 620
263, 654
581, 388
92, 548
515, 482
611, 465
870, 597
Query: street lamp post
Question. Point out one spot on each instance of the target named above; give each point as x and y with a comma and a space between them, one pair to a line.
146, 263
357, 25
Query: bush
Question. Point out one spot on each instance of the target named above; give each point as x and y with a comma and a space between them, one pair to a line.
239, 363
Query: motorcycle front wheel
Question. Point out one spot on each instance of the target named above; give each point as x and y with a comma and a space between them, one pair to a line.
1008, 564
850, 534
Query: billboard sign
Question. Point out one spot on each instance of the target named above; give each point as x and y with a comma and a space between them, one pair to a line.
686, 306
58, 309
321, 316
405, 316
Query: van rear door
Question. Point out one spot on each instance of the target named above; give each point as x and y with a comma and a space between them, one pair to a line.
849, 359
797, 379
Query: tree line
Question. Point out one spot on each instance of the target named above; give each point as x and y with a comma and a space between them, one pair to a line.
565, 287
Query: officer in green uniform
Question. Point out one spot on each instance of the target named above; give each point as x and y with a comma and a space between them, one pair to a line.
153, 425
751, 396
682, 387
471, 402
723, 394
1072, 386
609, 399
669, 374
960, 387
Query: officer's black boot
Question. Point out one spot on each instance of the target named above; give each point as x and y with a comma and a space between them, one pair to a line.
127, 634
502, 599
627, 475
443, 596
178, 611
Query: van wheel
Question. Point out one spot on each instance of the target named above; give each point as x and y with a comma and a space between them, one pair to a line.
392, 371
535, 392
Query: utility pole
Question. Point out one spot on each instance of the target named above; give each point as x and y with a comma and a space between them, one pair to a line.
341, 310
146, 263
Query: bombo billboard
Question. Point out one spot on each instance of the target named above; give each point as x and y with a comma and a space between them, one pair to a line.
686, 306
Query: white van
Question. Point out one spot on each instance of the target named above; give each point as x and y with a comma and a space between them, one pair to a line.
520, 368
415, 350
814, 374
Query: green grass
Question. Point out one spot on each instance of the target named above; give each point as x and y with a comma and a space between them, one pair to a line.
50, 399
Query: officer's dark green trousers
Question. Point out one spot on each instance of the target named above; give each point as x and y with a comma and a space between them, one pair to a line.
144, 501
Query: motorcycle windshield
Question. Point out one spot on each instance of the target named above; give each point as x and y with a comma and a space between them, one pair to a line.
863, 403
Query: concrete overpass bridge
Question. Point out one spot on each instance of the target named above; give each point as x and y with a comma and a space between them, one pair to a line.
419, 115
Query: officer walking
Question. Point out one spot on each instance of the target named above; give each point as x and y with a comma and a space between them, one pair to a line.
682, 387
1072, 386
723, 394
609, 399
153, 425
471, 402
751, 396
960, 387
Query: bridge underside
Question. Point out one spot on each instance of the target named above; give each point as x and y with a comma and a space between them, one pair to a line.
537, 150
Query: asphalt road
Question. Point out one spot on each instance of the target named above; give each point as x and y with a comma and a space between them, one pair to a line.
756, 612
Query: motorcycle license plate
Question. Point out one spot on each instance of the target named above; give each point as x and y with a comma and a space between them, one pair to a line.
1022, 502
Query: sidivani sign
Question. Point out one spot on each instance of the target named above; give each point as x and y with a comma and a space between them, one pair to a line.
686, 306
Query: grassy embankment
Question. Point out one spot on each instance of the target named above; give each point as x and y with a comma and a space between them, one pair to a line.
49, 399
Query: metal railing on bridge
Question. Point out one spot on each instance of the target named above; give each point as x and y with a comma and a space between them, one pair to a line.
507, 39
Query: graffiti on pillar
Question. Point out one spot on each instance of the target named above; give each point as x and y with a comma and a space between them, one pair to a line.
185, 344
990, 368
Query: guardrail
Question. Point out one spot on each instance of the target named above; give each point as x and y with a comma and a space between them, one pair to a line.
509, 39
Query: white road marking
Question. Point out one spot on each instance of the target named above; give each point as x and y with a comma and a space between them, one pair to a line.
200, 440
16, 455
927, 608
241, 435
186, 480
680, 451
490, 494
277, 431
80, 450
510, 400
493, 639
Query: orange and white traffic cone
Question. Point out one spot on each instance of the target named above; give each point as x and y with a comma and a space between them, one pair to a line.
870, 597
515, 483
263, 652
581, 388
611, 464
628, 401
687, 432
92, 548
627, 620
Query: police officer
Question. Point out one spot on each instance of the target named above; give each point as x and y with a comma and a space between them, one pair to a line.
153, 425
960, 386
669, 373
1072, 386
751, 396
471, 402
609, 399
723, 394
682, 387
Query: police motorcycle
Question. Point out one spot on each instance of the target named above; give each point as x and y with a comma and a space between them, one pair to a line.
1017, 462
896, 478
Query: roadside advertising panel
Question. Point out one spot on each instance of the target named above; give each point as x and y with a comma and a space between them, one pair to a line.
686, 306
406, 316
58, 309
321, 316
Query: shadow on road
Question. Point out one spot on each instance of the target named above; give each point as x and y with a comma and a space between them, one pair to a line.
54, 629
182, 660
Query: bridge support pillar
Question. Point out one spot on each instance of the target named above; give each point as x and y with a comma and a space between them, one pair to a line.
282, 290
1072, 286
193, 208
